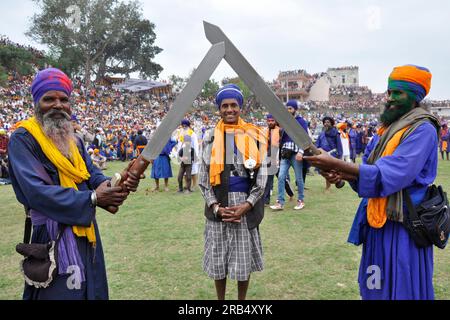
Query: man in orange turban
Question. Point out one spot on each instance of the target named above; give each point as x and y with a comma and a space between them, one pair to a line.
402, 156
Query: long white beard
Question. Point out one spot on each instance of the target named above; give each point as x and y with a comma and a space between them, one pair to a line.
60, 131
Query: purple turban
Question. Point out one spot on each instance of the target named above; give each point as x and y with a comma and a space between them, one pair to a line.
186, 122
269, 116
48, 80
229, 91
293, 104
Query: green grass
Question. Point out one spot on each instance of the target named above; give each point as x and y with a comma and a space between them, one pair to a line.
153, 246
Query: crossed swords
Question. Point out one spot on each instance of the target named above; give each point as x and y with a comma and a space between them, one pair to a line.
222, 48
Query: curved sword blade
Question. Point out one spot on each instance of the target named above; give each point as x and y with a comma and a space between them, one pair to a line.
258, 86
184, 101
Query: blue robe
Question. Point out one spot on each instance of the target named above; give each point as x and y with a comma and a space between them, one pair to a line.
161, 168
329, 140
353, 136
68, 206
406, 271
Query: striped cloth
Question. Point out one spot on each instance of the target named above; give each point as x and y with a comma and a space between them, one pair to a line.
230, 248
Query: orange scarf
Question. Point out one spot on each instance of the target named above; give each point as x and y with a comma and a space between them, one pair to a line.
275, 136
376, 207
344, 135
245, 137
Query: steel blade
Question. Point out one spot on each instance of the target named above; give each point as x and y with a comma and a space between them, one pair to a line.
258, 86
184, 101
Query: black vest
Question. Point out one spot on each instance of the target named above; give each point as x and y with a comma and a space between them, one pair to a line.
254, 216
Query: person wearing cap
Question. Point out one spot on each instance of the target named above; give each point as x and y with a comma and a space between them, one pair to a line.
291, 155
232, 178
54, 178
402, 155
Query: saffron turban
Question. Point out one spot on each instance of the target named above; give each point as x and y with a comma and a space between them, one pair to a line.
48, 80
414, 80
293, 104
229, 91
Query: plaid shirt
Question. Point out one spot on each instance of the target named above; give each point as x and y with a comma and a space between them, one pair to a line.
207, 191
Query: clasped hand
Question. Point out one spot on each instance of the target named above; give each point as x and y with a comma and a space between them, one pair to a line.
234, 214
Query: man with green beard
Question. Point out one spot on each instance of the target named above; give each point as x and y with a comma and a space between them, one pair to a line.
401, 156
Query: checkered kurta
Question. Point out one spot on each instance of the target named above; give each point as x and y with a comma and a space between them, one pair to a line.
231, 248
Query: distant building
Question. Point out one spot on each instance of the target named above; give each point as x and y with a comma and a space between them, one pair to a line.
344, 76
292, 85
320, 89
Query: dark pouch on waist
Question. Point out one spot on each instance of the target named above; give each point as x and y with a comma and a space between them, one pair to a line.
286, 153
40, 264
429, 222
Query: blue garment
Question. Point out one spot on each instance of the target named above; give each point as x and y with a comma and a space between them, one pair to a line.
330, 140
285, 164
359, 142
353, 136
406, 271
239, 184
30, 170
285, 137
161, 168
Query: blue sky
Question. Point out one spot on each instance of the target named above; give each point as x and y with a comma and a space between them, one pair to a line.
287, 34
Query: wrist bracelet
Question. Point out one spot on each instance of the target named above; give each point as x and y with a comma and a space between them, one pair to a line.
94, 198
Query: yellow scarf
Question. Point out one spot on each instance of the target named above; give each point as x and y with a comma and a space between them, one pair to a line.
245, 137
70, 173
376, 207
190, 132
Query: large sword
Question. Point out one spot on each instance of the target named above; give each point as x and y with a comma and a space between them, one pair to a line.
257, 85
178, 110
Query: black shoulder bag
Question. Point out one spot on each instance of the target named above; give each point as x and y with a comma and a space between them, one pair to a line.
429, 222
40, 264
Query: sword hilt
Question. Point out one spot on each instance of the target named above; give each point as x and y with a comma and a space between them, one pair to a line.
137, 168
313, 150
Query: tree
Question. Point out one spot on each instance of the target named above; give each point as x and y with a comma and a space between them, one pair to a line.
178, 83
210, 88
99, 36
245, 90
20, 61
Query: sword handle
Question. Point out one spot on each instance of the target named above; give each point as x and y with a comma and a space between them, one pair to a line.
138, 168
313, 150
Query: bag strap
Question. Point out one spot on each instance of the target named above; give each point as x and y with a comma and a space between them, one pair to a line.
27, 227
415, 220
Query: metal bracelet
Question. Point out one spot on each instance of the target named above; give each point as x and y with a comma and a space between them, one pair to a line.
94, 198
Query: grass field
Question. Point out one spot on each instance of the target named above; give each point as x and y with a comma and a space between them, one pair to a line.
154, 245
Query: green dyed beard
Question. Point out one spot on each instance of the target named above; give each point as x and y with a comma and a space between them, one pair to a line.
390, 116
